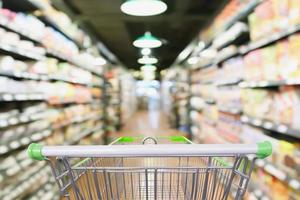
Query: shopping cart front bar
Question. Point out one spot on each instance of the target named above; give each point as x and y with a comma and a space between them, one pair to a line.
261, 150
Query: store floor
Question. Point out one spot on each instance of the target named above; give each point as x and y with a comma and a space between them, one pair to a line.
148, 123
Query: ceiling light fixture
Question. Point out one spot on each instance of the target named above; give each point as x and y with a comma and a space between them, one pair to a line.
146, 51
147, 60
147, 41
148, 68
143, 7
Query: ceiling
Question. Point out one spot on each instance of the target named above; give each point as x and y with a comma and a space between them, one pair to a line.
177, 26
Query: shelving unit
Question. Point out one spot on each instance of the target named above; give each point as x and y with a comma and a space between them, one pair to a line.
269, 125
231, 103
50, 95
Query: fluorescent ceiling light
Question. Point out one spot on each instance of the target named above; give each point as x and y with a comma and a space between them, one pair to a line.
148, 68
147, 41
146, 51
143, 7
99, 61
147, 60
192, 60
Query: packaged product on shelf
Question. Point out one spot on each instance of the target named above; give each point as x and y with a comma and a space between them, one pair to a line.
279, 107
229, 98
205, 75
230, 11
294, 47
258, 103
253, 65
269, 64
229, 127
208, 134
287, 65
264, 15
288, 106
288, 158
281, 14
272, 187
294, 12
232, 69
197, 103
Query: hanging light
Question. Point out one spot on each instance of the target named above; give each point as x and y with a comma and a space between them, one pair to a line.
143, 7
147, 60
148, 68
146, 51
147, 41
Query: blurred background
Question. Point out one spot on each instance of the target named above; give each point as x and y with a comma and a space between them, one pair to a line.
88, 72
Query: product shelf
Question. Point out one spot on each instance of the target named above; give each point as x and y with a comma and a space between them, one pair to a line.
269, 125
20, 53
21, 118
9, 97
64, 59
266, 84
231, 82
24, 54
48, 22
241, 14
22, 33
39, 135
233, 111
279, 174
46, 192
244, 49
84, 134
37, 174
258, 193
274, 37
77, 120
43, 77
273, 170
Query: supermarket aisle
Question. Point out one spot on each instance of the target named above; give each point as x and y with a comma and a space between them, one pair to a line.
150, 123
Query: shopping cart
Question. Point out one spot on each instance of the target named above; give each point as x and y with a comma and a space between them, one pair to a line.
175, 168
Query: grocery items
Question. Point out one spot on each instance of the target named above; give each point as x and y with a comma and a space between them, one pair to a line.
277, 106
225, 17
272, 16
254, 85
51, 92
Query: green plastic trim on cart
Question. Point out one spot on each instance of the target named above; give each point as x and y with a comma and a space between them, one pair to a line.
126, 139
264, 149
34, 151
180, 139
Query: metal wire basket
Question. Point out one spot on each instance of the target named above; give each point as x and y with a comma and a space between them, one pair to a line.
152, 168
